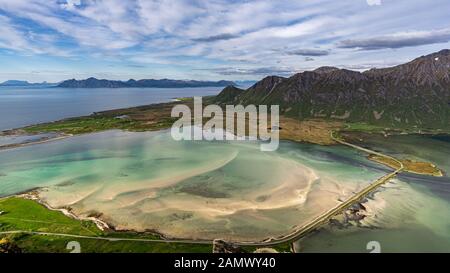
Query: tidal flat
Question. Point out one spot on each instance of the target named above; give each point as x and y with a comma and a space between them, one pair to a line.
193, 189
409, 214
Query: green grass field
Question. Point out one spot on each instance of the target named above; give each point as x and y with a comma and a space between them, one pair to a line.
28, 215
363, 127
98, 123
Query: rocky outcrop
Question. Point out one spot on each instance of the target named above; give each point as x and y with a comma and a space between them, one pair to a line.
7, 246
221, 246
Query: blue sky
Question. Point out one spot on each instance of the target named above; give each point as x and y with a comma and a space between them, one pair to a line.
46, 40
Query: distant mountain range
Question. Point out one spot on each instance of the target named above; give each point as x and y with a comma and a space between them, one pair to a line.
24, 83
164, 83
415, 94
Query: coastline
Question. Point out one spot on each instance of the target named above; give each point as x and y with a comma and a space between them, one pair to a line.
34, 195
103, 225
154, 117
58, 136
157, 116
295, 232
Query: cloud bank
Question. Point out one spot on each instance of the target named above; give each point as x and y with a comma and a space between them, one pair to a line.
198, 39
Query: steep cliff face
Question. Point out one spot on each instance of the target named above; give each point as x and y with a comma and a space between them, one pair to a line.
412, 94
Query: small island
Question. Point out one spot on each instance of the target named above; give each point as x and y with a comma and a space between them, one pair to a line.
410, 166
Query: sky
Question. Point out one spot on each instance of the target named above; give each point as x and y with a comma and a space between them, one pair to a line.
48, 40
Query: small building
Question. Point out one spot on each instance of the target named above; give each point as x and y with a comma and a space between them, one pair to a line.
1, 212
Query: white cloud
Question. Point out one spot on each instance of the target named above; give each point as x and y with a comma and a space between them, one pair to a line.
373, 2
26, 42
399, 40
71, 4
254, 34
11, 38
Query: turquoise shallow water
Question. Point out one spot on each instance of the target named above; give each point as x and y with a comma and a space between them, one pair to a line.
147, 181
234, 191
411, 214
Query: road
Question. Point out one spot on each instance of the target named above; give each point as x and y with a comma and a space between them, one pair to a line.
112, 239
325, 217
293, 236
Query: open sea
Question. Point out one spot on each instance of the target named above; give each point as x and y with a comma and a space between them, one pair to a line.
22, 106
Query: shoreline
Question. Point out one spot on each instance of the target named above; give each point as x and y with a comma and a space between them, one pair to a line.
38, 194
59, 136
34, 196
157, 116
105, 226
62, 135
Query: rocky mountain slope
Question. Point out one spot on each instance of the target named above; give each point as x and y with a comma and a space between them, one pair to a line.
415, 94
